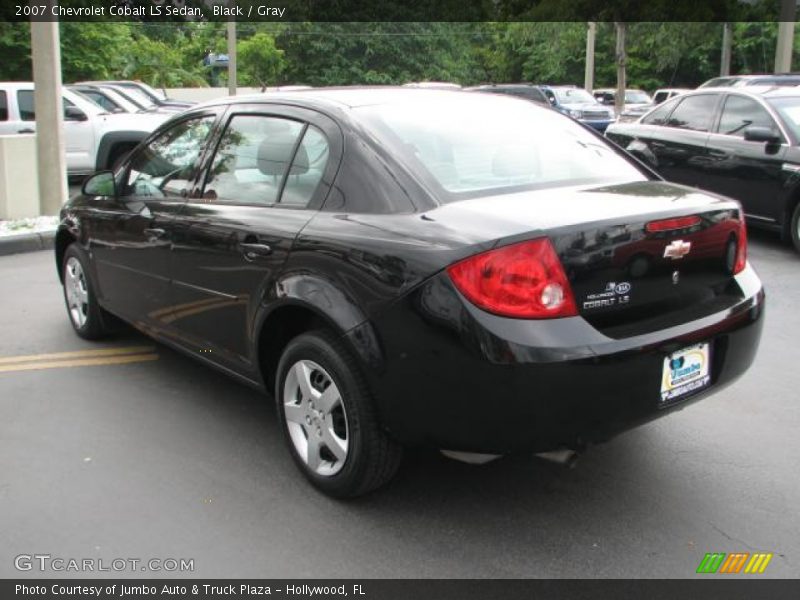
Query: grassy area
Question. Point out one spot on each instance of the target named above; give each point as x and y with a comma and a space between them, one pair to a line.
31, 225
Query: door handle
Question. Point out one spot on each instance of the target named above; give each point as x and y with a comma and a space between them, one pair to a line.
252, 251
28, 130
717, 153
154, 233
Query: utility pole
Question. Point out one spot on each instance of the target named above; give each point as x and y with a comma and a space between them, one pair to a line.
783, 50
232, 57
51, 164
619, 97
588, 79
727, 44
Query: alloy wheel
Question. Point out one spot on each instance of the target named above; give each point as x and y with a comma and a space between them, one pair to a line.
76, 291
316, 418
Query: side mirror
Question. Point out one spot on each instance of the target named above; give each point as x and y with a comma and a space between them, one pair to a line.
761, 134
73, 113
100, 184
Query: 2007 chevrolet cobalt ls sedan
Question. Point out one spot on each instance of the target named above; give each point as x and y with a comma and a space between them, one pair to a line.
468, 272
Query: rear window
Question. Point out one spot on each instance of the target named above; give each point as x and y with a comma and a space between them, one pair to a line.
475, 145
3, 106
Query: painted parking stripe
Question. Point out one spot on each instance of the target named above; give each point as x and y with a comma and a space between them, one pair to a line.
78, 358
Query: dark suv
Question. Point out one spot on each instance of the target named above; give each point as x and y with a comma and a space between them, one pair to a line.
579, 104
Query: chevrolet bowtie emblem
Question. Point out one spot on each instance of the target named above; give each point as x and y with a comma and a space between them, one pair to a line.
677, 249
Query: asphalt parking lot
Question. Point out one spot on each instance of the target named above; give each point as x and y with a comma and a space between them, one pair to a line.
139, 452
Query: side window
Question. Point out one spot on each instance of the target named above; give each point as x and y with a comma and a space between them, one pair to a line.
659, 115
740, 112
167, 165
3, 106
252, 160
694, 113
25, 102
101, 100
307, 169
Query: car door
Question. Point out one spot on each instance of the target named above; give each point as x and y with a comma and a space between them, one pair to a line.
749, 171
679, 146
131, 235
78, 131
270, 172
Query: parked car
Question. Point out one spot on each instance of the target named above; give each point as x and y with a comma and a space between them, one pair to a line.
762, 79
433, 85
94, 138
634, 99
663, 94
414, 267
519, 90
153, 96
741, 142
578, 104
115, 99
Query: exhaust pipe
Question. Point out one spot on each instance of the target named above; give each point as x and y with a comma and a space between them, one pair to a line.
566, 457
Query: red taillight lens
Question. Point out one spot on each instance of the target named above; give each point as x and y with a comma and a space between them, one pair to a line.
741, 247
524, 281
671, 224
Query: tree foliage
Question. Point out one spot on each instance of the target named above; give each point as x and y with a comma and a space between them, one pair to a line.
171, 54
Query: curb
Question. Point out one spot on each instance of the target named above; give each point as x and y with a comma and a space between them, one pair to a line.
27, 242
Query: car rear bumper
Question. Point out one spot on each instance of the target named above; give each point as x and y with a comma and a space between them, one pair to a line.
457, 378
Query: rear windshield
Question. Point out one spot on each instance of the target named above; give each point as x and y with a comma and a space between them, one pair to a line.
482, 144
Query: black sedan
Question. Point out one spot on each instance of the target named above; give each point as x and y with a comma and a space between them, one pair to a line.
467, 272
740, 142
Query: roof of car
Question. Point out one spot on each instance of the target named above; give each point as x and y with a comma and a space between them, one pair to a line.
488, 86
769, 91
343, 97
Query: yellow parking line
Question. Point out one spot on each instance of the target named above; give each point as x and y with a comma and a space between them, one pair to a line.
79, 362
97, 352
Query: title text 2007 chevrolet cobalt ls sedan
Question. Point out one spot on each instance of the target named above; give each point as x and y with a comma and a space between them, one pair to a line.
462, 271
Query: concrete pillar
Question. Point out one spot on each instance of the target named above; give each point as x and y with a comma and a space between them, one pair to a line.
621, 75
231, 57
727, 44
588, 79
783, 49
52, 168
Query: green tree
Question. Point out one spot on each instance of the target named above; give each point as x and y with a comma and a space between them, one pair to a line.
260, 62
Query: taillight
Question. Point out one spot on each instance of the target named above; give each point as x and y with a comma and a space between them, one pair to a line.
671, 224
741, 247
524, 280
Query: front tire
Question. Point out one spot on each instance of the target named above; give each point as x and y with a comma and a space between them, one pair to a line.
794, 227
84, 312
328, 418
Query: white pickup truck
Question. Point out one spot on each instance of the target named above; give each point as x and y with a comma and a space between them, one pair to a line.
93, 138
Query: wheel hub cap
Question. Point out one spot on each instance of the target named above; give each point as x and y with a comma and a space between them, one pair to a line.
316, 418
76, 292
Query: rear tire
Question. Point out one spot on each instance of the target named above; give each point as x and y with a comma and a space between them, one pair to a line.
328, 418
794, 227
87, 318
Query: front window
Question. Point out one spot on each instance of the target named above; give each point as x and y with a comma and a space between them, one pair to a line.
482, 144
740, 113
789, 110
167, 166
